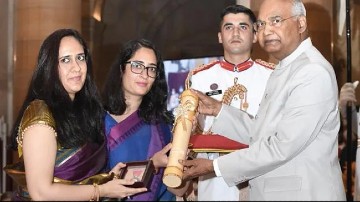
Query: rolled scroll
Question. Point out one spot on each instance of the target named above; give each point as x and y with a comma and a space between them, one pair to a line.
185, 114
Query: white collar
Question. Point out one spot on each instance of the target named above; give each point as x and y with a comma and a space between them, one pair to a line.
304, 45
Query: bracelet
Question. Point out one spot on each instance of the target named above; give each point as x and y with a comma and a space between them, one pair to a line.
96, 194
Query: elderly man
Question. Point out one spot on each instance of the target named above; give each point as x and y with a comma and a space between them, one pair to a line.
293, 138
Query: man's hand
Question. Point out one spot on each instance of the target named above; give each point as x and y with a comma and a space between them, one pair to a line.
347, 96
207, 104
197, 167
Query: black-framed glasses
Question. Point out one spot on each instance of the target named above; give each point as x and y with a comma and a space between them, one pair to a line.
138, 67
275, 21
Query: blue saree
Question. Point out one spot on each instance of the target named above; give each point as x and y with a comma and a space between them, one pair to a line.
134, 140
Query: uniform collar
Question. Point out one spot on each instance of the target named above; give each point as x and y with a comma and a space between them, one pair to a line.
236, 68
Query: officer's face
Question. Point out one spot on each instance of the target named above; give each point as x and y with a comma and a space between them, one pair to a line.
237, 35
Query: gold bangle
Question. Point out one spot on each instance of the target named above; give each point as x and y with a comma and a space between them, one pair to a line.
96, 194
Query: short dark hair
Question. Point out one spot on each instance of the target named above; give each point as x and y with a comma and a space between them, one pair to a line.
153, 108
235, 9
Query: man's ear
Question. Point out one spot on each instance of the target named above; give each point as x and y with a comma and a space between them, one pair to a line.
255, 37
302, 24
219, 37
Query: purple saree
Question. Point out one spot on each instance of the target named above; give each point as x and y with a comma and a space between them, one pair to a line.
73, 166
80, 165
135, 140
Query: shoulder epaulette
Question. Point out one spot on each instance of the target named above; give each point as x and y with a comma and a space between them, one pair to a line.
197, 70
204, 67
268, 65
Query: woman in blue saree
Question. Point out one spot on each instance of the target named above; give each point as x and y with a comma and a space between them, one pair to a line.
59, 130
138, 124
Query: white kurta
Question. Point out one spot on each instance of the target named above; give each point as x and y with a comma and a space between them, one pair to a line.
212, 188
293, 154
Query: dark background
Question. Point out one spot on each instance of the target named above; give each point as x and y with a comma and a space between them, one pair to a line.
179, 28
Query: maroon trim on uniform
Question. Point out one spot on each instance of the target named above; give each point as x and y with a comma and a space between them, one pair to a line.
236, 68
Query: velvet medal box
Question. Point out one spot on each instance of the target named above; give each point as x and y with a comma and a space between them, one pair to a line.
141, 171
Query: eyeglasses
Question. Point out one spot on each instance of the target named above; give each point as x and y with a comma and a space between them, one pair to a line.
137, 68
275, 21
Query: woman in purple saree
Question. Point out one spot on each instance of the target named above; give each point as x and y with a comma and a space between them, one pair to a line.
59, 132
77, 165
138, 124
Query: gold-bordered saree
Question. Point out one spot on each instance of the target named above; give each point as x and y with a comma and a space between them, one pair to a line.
81, 165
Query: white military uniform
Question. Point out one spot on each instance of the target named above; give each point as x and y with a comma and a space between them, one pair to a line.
219, 78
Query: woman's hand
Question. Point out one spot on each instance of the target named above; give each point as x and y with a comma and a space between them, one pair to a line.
160, 158
117, 168
117, 188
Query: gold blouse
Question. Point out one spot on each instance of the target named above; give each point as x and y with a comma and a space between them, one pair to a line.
36, 113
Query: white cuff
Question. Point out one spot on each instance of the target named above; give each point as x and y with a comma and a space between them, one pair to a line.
216, 168
222, 106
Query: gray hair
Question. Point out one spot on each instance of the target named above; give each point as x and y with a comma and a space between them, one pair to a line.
298, 8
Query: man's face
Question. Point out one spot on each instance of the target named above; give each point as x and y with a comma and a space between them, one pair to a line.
279, 33
237, 35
